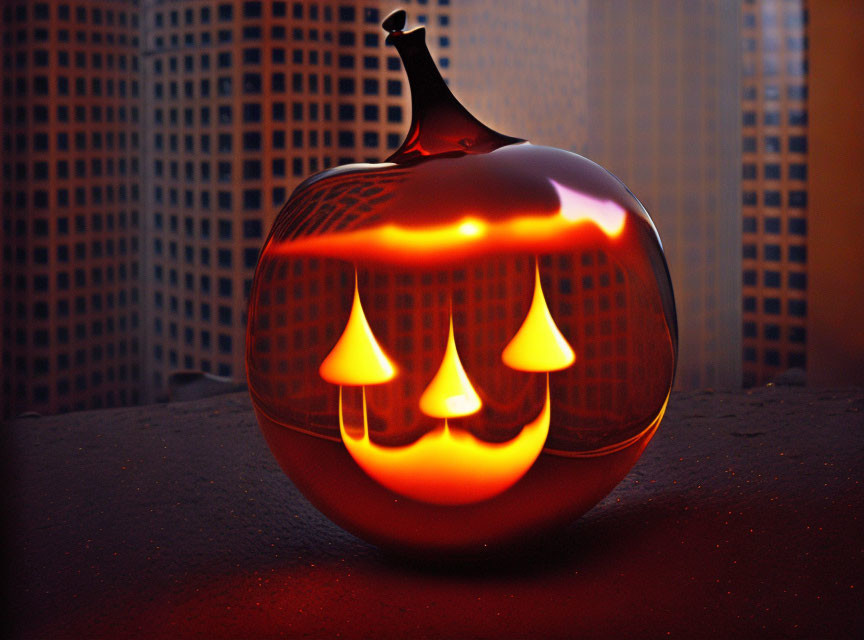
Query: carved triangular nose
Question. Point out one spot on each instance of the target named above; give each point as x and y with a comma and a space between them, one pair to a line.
450, 393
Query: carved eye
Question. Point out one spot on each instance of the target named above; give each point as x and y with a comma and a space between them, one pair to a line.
357, 358
538, 344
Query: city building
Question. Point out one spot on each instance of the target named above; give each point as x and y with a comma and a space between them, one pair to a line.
71, 211
663, 88
243, 101
774, 128
147, 149
650, 91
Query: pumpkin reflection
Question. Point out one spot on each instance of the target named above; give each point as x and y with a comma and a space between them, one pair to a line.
465, 346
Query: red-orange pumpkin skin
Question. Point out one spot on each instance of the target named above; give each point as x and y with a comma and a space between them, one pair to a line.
458, 234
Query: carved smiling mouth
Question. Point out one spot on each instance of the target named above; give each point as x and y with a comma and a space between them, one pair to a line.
448, 466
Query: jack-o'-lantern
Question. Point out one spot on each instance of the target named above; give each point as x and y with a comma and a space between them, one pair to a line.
466, 345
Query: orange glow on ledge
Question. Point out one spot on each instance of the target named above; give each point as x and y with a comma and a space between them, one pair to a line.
357, 358
449, 467
538, 344
450, 393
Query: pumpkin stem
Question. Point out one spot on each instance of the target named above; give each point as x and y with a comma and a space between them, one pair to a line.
439, 122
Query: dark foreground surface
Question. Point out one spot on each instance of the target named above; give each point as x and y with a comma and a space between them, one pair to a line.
742, 519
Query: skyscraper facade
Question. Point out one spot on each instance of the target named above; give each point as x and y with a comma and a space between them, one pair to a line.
648, 89
147, 147
243, 101
774, 187
71, 217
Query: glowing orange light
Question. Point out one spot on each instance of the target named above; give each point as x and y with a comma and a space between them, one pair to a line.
465, 231
450, 393
472, 228
357, 358
448, 466
469, 235
538, 345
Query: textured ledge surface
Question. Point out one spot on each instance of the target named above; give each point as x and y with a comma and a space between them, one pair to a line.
743, 518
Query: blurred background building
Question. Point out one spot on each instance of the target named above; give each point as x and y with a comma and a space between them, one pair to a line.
650, 91
147, 148
663, 91
774, 121
521, 67
244, 100
71, 206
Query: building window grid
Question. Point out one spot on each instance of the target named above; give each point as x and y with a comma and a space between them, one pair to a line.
167, 184
114, 253
792, 122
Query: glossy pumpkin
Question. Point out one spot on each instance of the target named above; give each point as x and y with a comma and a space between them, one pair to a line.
465, 346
